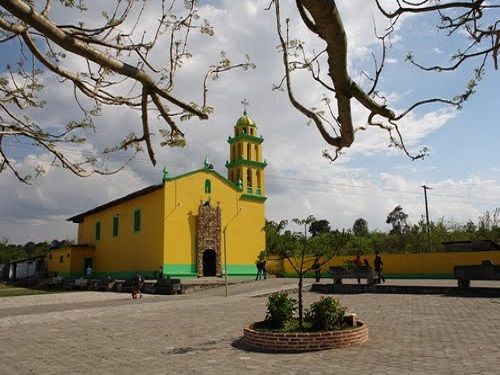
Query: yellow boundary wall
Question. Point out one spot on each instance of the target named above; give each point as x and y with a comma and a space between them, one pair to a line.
403, 265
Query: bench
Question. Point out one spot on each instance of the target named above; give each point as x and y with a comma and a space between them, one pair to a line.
362, 272
55, 282
168, 286
485, 271
80, 283
128, 285
68, 284
104, 285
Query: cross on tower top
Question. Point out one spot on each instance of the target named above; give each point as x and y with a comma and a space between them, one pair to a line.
245, 105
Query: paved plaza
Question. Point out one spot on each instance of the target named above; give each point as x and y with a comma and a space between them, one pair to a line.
200, 333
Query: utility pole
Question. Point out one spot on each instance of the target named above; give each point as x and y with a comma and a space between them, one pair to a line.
225, 249
427, 216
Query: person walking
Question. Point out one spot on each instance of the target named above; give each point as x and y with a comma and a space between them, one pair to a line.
379, 267
136, 285
317, 270
88, 271
263, 268
258, 264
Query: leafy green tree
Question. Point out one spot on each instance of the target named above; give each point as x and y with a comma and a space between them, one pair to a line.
471, 229
273, 235
360, 227
358, 245
319, 227
300, 252
397, 218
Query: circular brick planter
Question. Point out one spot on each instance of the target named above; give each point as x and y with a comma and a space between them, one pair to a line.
304, 342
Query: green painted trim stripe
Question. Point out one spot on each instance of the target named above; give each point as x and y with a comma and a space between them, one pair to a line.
172, 270
189, 270
245, 137
252, 197
241, 269
210, 171
250, 163
179, 270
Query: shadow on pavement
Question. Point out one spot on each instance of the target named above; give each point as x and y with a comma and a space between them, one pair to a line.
445, 291
240, 345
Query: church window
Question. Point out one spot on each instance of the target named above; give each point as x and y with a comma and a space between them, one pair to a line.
61, 259
256, 153
115, 226
244, 131
258, 179
98, 231
137, 220
208, 186
249, 151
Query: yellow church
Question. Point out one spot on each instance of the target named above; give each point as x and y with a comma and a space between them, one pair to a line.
194, 224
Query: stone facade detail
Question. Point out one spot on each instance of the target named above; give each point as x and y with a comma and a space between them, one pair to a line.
208, 233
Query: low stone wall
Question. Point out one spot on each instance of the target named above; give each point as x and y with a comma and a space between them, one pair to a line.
304, 342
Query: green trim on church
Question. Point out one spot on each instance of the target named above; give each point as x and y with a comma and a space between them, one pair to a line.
211, 171
253, 197
246, 162
245, 137
189, 270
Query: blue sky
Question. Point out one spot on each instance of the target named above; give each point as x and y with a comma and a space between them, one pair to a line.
368, 181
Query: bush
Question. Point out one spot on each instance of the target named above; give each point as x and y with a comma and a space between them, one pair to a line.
280, 309
325, 315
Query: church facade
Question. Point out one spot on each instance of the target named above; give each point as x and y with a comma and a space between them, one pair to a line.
194, 224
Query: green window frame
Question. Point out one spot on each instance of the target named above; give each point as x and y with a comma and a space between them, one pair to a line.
115, 225
208, 186
137, 220
98, 231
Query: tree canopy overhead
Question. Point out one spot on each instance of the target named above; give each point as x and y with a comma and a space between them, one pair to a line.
114, 62
477, 20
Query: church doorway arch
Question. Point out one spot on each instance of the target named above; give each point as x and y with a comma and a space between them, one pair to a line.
208, 240
209, 263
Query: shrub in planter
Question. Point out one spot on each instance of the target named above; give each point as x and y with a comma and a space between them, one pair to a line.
325, 315
280, 309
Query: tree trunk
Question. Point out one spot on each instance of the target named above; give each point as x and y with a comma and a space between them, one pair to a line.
301, 314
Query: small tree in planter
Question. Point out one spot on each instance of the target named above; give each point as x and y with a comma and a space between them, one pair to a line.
280, 309
326, 315
300, 253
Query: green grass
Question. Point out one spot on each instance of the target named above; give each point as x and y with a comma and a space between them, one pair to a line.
14, 291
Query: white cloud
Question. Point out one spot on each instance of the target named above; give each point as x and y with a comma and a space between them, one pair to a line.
300, 182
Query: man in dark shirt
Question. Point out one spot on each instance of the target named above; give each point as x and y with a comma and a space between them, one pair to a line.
358, 263
379, 268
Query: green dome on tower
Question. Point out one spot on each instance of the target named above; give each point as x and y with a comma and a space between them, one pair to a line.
245, 120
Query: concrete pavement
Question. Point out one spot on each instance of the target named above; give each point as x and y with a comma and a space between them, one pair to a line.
108, 333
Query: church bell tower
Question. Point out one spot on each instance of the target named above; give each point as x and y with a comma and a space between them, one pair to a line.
246, 166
